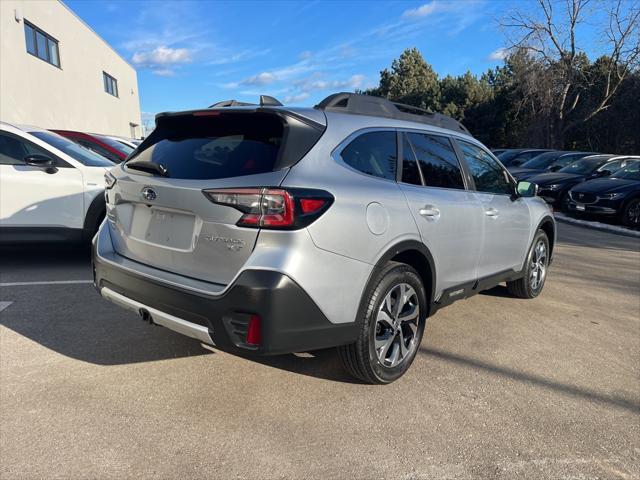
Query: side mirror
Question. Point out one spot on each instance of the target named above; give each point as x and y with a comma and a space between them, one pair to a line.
527, 189
41, 161
602, 173
554, 168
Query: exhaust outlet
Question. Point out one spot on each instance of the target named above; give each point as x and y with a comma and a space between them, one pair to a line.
146, 316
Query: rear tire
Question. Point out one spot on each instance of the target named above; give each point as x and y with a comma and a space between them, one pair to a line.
535, 271
391, 329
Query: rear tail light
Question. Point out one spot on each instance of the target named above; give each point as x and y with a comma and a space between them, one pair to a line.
276, 208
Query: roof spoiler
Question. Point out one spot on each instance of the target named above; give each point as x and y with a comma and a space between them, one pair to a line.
381, 107
265, 101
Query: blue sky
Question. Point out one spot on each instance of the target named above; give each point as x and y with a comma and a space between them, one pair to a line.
190, 54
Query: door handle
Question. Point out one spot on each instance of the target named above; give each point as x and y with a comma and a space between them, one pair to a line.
429, 211
491, 212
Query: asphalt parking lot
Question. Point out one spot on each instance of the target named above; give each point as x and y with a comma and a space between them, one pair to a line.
501, 388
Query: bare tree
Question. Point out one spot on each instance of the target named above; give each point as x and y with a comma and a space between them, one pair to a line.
549, 33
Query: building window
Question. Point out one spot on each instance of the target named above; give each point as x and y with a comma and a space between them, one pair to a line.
110, 84
41, 44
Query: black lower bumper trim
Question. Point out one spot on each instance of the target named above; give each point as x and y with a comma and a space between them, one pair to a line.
290, 320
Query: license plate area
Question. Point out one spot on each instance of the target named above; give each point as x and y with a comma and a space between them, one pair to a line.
580, 207
163, 227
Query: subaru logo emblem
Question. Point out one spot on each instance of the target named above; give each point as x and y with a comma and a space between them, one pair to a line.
149, 193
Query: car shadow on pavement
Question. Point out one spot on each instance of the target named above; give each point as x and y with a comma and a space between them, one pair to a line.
536, 380
324, 364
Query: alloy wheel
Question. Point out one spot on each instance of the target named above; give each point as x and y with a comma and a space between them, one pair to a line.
633, 214
396, 326
538, 265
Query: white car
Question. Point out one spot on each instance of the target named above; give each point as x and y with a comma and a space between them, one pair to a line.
51, 189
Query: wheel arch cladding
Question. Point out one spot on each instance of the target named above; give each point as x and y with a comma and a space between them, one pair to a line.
95, 212
547, 226
415, 254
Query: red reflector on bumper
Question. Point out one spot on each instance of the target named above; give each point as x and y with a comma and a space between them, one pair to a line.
253, 332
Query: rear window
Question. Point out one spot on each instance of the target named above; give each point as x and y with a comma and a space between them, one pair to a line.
215, 146
373, 153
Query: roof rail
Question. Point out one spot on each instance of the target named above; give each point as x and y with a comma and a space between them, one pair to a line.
381, 107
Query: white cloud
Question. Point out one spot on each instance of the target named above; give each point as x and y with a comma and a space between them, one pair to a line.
163, 72
162, 55
295, 98
314, 84
305, 55
264, 78
499, 54
423, 10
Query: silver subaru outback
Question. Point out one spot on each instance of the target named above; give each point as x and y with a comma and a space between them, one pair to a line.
268, 229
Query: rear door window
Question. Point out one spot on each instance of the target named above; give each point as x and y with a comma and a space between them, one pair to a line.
218, 145
373, 153
487, 173
437, 160
410, 171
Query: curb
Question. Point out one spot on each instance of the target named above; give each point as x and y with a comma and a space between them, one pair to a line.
603, 227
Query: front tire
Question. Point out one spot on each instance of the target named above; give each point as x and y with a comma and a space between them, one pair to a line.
535, 270
631, 213
391, 328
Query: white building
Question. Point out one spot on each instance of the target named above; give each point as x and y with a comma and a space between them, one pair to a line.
56, 72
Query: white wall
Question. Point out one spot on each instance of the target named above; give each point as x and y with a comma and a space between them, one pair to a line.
72, 97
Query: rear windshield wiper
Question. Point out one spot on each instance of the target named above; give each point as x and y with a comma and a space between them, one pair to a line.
147, 166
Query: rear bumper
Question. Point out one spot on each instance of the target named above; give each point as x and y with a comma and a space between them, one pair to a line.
290, 321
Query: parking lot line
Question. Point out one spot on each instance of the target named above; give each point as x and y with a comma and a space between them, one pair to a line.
4, 305
54, 282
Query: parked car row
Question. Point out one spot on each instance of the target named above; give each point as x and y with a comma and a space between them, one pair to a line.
581, 183
52, 182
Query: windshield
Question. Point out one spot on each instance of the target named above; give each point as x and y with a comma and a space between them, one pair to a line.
542, 161
630, 172
75, 151
508, 155
583, 167
121, 147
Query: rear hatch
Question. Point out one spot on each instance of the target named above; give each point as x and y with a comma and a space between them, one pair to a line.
158, 213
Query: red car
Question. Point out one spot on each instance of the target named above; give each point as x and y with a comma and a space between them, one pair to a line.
105, 146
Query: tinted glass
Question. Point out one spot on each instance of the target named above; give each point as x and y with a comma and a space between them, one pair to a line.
12, 151
29, 39
437, 160
542, 161
506, 157
487, 173
41, 41
612, 166
410, 172
630, 172
373, 153
582, 167
75, 151
220, 146
98, 149
121, 147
